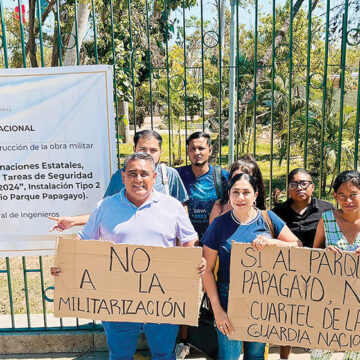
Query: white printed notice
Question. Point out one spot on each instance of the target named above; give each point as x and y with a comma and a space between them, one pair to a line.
57, 146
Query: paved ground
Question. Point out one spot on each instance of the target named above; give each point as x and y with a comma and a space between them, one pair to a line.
298, 354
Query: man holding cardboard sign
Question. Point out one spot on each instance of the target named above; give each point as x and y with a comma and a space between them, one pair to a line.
131, 217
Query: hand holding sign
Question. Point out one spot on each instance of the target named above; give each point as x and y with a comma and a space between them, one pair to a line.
119, 282
290, 296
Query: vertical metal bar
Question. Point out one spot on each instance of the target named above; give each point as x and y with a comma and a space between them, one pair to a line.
185, 71
8, 273
255, 74
289, 99
43, 291
115, 83
168, 74
322, 135
95, 32
272, 101
26, 292
77, 35
202, 63
40, 33
22, 33
220, 77
356, 155
59, 32
237, 81
232, 82
149, 62
342, 83
3, 34
308, 62
132, 63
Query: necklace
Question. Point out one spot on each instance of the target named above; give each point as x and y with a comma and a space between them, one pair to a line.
250, 216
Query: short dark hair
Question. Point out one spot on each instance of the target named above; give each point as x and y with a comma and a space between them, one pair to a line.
198, 135
350, 176
147, 134
139, 156
292, 173
244, 176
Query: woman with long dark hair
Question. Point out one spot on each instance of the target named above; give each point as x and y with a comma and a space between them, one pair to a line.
245, 164
244, 223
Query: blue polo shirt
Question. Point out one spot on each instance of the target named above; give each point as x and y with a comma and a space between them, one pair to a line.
176, 187
202, 194
158, 222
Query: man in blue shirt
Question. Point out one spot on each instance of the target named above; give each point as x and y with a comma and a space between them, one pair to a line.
167, 180
199, 180
204, 184
128, 217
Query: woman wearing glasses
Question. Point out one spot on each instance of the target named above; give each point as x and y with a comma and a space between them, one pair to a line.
339, 230
301, 213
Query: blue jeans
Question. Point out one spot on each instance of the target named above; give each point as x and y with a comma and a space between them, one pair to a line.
122, 338
231, 349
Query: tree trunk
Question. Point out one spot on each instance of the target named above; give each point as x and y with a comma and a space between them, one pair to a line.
31, 42
71, 52
123, 129
55, 52
34, 29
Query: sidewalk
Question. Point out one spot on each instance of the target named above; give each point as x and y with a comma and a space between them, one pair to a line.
297, 354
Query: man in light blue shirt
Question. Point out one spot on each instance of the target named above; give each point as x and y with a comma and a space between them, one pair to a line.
154, 219
167, 180
143, 216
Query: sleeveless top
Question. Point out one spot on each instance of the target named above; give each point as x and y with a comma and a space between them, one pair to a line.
334, 236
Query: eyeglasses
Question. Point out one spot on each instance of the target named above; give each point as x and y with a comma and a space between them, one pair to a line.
343, 198
303, 184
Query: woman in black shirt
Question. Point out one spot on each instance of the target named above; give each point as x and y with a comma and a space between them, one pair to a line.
302, 213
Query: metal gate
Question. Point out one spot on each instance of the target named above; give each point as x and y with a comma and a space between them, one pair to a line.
276, 79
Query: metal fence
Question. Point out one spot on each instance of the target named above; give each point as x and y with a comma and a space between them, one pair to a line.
276, 79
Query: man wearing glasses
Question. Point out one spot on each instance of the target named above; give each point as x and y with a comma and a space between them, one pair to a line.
301, 212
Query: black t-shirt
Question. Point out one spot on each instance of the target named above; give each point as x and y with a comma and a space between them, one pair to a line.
304, 225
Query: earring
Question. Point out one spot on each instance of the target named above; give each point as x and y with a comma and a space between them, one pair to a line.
254, 203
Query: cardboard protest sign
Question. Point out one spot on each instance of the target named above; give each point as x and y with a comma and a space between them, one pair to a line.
101, 280
294, 296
